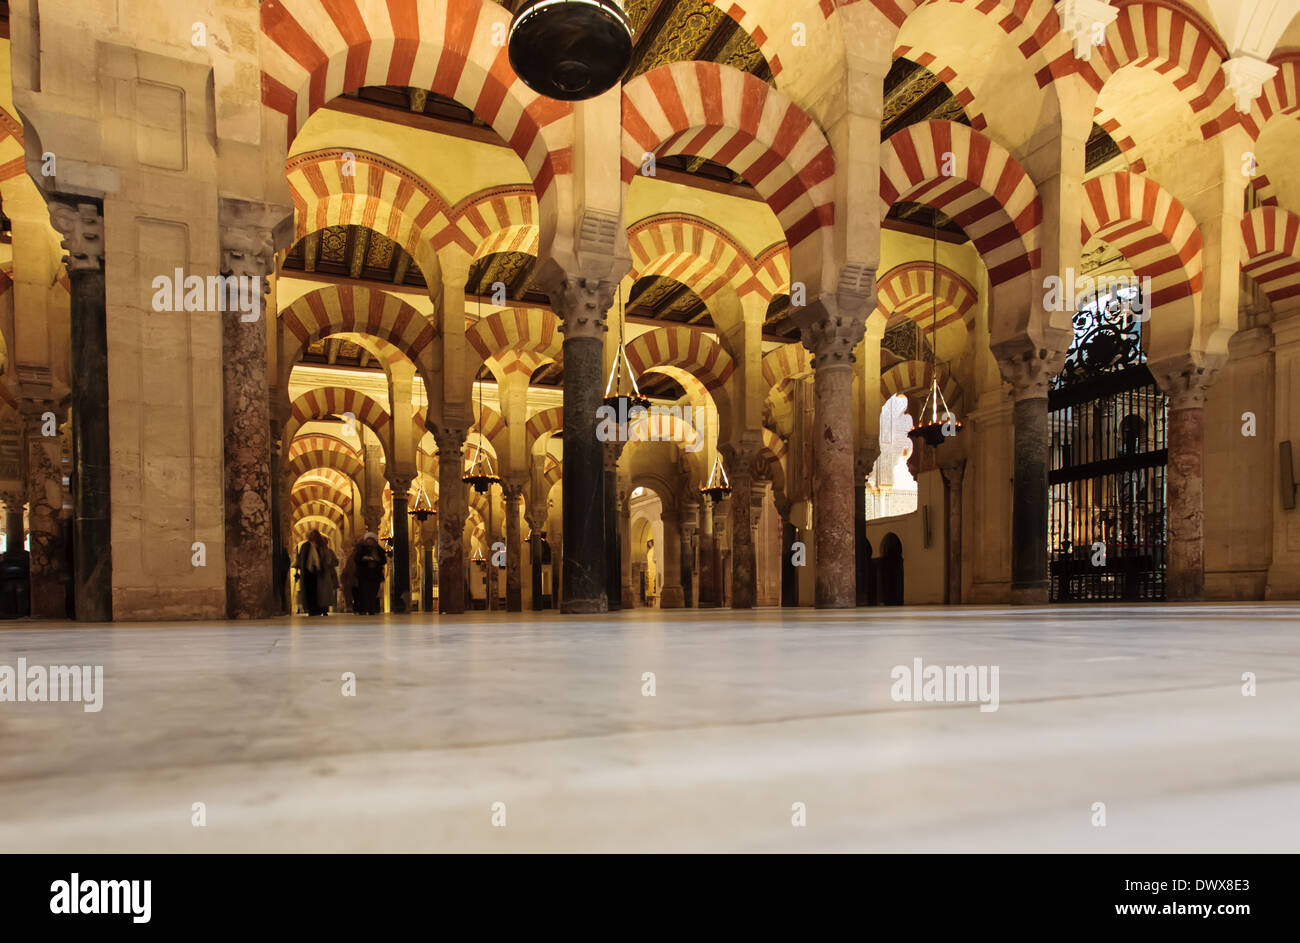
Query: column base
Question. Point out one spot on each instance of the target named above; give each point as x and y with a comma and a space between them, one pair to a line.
1030, 594
672, 598
584, 606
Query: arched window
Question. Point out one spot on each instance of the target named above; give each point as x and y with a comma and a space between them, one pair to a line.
891, 489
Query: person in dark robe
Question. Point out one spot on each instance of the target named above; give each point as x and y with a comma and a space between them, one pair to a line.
368, 566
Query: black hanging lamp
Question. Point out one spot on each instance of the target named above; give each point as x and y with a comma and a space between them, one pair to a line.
481, 476
621, 402
421, 508
932, 430
719, 485
570, 49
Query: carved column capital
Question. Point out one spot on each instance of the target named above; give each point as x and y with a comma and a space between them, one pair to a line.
1028, 367
833, 326
864, 459
13, 501
1185, 382
953, 471
580, 302
82, 227
611, 452
450, 440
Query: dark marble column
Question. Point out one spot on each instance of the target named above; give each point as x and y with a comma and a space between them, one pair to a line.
688, 518
671, 595
582, 304
452, 503
611, 518
1029, 370
830, 334
428, 530
744, 568
14, 534
514, 493
535, 522
953, 471
1186, 389
789, 572
399, 583
82, 224
722, 551
248, 256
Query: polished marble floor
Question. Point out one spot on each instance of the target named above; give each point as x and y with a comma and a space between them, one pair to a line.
1141, 709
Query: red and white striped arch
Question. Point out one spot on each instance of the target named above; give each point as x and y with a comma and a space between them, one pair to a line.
314, 51
325, 510
514, 341
771, 273
1271, 251
499, 219
318, 490
338, 309
912, 379
988, 193
493, 426
1281, 95
1174, 42
544, 422
1155, 232
13, 158
713, 111
690, 250
322, 402
692, 351
912, 288
312, 453
381, 195
948, 76
787, 362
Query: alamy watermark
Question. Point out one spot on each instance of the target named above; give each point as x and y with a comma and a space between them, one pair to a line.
1073, 292
84, 683
946, 683
78, 896
178, 292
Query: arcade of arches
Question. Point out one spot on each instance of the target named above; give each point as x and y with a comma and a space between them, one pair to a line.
791, 215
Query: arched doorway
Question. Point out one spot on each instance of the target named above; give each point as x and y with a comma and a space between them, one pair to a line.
889, 569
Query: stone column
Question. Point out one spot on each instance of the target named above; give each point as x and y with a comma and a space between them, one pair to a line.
1284, 570
1186, 386
671, 595
47, 562
862, 465
789, 572
82, 224
1029, 370
514, 492
630, 594
451, 520
535, 522
830, 333
610, 517
740, 457
707, 556
953, 470
582, 303
688, 523
721, 546
247, 256
399, 590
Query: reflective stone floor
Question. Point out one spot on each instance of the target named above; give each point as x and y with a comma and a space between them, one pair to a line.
1141, 709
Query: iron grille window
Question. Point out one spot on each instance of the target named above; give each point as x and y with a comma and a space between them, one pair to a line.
1108, 425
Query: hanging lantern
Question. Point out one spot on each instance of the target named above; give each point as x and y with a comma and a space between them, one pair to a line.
622, 403
478, 559
421, 508
940, 425
570, 49
481, 476
386, 536
719, 485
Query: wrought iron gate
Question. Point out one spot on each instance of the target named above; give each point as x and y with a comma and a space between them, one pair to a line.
1107, 421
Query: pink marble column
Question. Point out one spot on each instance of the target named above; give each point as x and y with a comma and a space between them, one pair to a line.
247, 253
830, 335
1186, 383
